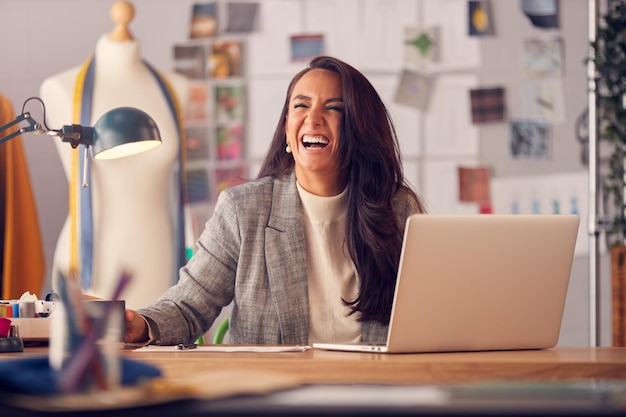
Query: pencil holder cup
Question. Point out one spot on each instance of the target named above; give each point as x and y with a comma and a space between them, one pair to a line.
85, 345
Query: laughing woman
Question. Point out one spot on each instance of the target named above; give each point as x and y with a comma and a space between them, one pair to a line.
308, 252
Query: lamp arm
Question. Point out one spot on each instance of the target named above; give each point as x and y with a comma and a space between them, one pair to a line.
120, 126
33, 126
73, 134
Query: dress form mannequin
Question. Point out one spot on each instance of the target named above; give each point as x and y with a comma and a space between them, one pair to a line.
134, 198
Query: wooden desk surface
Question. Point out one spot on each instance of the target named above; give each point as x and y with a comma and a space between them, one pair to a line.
326, 368
323, 367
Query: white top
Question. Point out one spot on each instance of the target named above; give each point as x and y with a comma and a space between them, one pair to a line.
330, 270
134, 201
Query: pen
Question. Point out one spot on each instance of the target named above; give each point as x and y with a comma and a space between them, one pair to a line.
182, 346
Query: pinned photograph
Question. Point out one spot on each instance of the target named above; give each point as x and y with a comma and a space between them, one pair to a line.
197, 184
544, 99
474, 184
241, 17
189, 61
421, 45
543, 57
307, 46
530, 139
229, 103
197, 104
229, 142
414, 89
225, 59
488, 105
479, 19
197, 144
204, 21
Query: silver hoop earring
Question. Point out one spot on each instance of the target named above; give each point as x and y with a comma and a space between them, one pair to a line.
288, 149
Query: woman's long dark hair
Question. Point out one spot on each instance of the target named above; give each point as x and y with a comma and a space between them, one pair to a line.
371, 159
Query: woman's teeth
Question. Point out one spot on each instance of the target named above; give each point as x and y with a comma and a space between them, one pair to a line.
314, 141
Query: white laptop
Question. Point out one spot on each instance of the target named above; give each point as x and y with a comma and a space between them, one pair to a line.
479, 282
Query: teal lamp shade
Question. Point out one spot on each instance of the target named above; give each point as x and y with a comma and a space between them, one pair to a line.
124, 131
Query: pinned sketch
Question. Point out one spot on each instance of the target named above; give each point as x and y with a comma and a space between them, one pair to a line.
530, 139
241, 17
229, 103
197, 184
307, 46
479, 18
421, 45
204, 21
225, 59
414, 89
474, 184
544, 99
197, 104
189, 60
543, 57
488, 104
197, 143
229, 142
542, 13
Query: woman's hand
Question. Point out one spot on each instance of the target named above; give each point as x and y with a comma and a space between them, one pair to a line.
136, 328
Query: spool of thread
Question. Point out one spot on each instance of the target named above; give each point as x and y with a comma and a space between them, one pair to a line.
14, 331
5, 326
27, 309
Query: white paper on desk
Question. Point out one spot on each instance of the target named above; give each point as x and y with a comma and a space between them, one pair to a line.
363, 395
226, 348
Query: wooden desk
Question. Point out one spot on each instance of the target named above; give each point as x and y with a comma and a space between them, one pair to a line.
343, 369
324, 367
328, 367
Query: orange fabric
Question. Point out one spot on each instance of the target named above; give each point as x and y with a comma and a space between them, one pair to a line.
23, 259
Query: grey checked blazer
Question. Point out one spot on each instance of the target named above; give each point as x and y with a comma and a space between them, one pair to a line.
252, 253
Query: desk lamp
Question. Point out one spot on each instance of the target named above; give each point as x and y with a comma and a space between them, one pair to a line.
121, 132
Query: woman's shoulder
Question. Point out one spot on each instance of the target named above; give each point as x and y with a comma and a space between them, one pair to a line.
263, 185
251, 186
248, 193
258, 198
259, 191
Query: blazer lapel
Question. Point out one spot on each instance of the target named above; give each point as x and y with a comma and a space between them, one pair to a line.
286, 262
